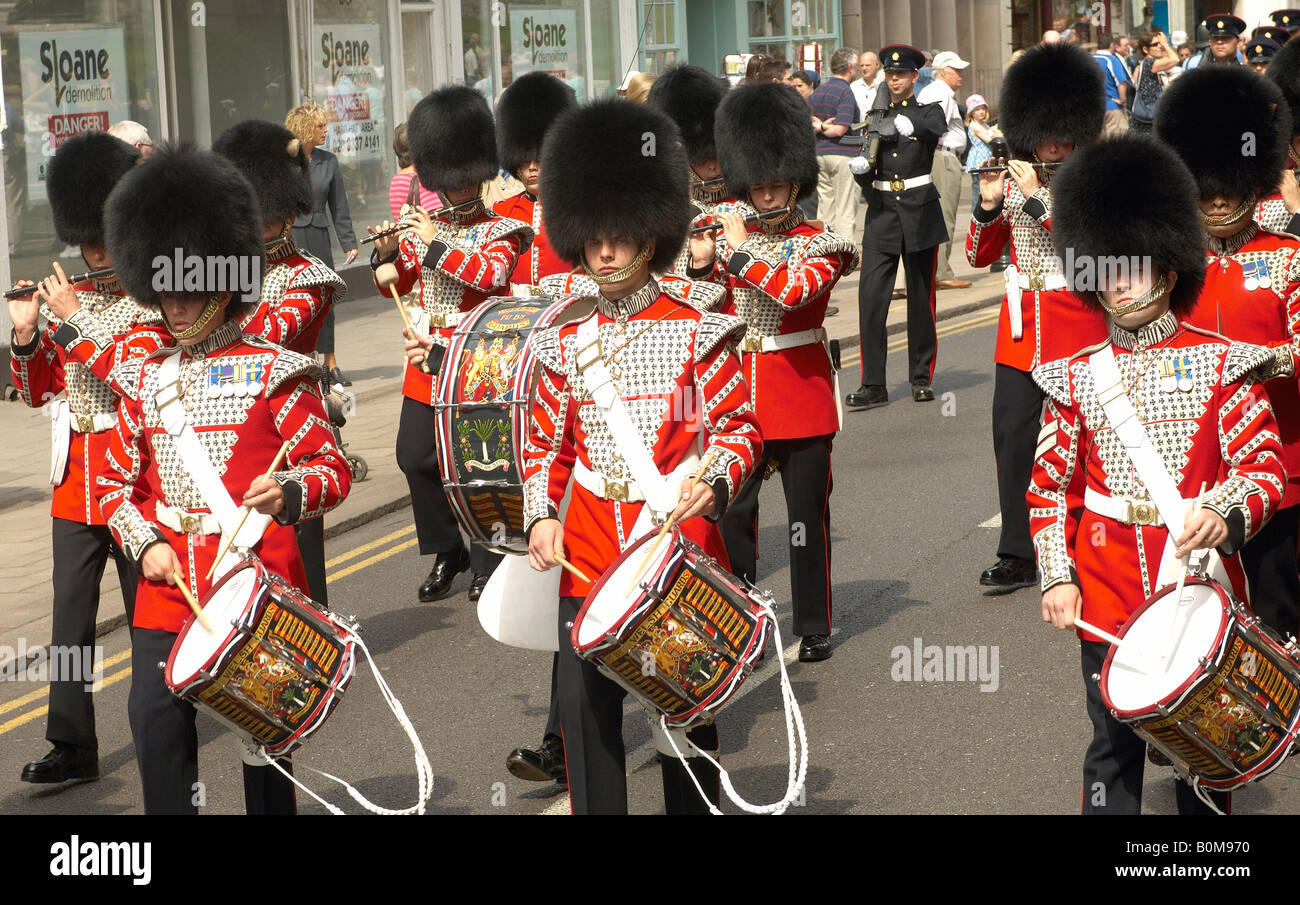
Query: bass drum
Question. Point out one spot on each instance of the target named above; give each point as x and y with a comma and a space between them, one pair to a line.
484, 393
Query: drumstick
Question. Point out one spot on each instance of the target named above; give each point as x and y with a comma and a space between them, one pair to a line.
386, 276
668, 525
189, 598
225, 545
1182, 578
559, 557
1107, 636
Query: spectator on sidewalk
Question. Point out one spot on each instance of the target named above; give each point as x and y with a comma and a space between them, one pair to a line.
946, 169
870, 77
1119, 83
400, 188
836, 111
773, 71
980, 132
1158, 58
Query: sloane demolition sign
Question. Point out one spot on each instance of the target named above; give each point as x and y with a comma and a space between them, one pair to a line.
544, 38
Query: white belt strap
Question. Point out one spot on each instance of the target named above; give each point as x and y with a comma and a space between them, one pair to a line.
792, 340
901, 185
184, 521
1122, 509
601, 485
60, 439
1011, 277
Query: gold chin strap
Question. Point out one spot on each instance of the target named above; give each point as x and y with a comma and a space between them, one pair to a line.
1146, 298
1290, 152
642, 256
209, 311
776, 216
1228, 219
282, 242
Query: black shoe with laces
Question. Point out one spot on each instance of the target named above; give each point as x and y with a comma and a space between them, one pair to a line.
445, 569
867, 397
63, 763
1009, 574
336, 376
815, 648
541, 765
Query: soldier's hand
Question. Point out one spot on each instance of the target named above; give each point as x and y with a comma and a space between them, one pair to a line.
697, 500
992, 185
265, 495
1022, 171
418, 347
733, 228
544, 541
1290, 189
58, 294
703, 248
1204, 531
423, 226
25, 311
387, 246
1062, 605
159, 562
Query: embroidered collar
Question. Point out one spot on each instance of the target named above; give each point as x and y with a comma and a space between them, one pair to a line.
215, 341
280, 248
634, 303
785, 224
109, 285
1234, 243
1159, 330
467, 214
705, 195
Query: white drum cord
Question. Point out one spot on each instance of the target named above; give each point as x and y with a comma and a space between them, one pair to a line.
798, 757
423, 769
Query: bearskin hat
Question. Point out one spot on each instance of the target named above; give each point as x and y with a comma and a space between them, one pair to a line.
765, 135
78, 181
1087, 225
453, 139
1054, 92
180, 199
274, 162
690, 95
1284, 71
1246, 109
614, 167
526, 111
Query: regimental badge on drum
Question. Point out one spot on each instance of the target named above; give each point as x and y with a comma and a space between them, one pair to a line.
238, 378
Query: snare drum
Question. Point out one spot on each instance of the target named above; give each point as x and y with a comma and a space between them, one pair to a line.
1225, 705
686, 637
485, 389
275, 666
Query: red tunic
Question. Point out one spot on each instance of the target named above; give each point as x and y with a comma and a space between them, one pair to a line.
77, 358
1222, 432
678, 376
780, 283
1266, 316
298, 291
1056, 324
470, 262
242, 434
540, 260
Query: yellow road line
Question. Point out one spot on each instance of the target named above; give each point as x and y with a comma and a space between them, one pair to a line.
23, 719
371, 560
44, 689
364, 548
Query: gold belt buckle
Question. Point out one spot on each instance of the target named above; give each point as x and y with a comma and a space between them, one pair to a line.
753, 344
437, 320
895, 185
616, 491
1144, 514
85, 424
191, 524
1036, 282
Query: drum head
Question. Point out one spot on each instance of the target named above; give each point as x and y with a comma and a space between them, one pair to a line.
1133, 683
609, 600
225, 603
521, 606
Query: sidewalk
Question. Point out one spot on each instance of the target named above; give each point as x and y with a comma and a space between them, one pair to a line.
369, 352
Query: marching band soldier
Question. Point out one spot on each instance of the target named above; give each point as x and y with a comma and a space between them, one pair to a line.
90, 328
298, 289
1277, 210
1207, 425
904, 220
781, 271
622, 214
1252, 283
1052, 101
1224, 31
461, 257
197, 203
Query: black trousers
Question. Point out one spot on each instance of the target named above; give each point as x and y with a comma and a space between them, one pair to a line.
805, 466
1269, 561
552, 729
80, 553
875, 291
167, 741
1017, 418
483, 561
311, 545
591, 716
1116, 757
417, 456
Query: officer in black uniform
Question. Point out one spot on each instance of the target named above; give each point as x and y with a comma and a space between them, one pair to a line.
903, 219
1221, 27
1286, 18
1260, 52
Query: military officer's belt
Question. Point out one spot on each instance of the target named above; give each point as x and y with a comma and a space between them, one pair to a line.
784, 340
1035, 282
92, 424
1123, 509
187, 522
901, 185
605, 488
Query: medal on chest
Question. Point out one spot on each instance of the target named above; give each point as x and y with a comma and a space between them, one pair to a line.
1176, 375
241, 378
1256, 275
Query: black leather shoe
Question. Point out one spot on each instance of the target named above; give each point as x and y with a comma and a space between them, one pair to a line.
542, 765
922, 393
63, 763
831, 311
336, 376
445, 568
1010, 574
866, 397
477, 585
814, 648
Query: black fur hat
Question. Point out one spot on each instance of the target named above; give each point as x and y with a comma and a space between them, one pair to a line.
453, 139
78, 180
1054, 92
525, 112
690, 95
274, 162
182, 199
765, 134
1206, 115
1285, 73
614, 167
1087, 225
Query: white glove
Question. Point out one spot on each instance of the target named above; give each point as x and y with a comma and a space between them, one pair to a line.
904, 126
858, 165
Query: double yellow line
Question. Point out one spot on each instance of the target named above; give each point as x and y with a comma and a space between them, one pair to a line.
32, 696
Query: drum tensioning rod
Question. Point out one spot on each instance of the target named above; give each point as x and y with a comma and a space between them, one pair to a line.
1192, 734
1248, 700
233, 691
701, 631
319, 679
474, 484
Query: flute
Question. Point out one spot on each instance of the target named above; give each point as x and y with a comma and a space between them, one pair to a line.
75, 278
393, 230
1002, 168
749, 221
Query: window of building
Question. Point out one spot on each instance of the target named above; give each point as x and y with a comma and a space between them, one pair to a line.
663, 34
778, 27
